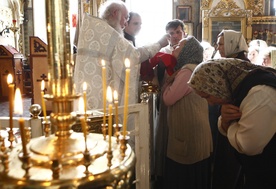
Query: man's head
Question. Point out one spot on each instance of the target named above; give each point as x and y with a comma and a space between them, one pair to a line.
175, 29
133, 25
115, 13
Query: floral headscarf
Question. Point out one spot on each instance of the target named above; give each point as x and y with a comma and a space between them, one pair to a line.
234, 42
221, 77
191, 53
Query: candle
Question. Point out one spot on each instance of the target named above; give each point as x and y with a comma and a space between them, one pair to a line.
81, 106
84, 98
104, 90
127, 64
11, 94
18, 109
84, 127
115, 95
42, 100
109, 99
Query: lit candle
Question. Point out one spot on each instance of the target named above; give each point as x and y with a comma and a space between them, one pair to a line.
127, 64
81, 105
84, 98
84, 128
11, 94
18, 109
104, 90
115, 95
109, 99
42, 100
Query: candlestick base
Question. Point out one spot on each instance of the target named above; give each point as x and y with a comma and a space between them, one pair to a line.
117, 128
123, 140
109, 157
46, 128
104, 130
11, 137
87, 162
5, 155
26, 163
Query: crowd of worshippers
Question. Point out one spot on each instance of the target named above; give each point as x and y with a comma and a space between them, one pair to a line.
216, 106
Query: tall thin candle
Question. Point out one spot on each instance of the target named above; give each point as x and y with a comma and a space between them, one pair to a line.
18, 109
84, 98
104, 90
43, 101
115, 95
127, 64
109, 98
11, 96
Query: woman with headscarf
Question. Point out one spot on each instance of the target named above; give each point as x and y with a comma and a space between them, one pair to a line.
230, 44
189, 143
247, 94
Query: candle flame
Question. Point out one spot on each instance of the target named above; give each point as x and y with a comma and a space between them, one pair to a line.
42, 85
103, 63
84, 86
109, 94
115, 95
18, 108
127, 63
9, 79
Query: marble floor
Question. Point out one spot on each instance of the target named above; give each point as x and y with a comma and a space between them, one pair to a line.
4, 107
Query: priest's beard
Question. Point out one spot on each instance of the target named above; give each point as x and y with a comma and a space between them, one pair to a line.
115, 23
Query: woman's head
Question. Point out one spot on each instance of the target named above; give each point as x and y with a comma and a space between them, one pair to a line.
188, 50
253, 54
217, 79
235, 43
266, 56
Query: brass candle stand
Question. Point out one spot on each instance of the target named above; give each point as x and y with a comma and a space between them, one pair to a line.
117, 130
64, 158
123, 141
5, 156
46, 128
104, 129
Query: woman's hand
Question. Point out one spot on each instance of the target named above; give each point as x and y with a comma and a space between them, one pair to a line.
229, 113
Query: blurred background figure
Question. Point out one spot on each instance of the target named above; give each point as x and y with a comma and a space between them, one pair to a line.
208, 50
253, 55
255, 46
133, 27
266, 56
259, 43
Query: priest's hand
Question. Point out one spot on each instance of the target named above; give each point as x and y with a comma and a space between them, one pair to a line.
164, 41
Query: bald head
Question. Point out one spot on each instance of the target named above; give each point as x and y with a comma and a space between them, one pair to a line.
115, 13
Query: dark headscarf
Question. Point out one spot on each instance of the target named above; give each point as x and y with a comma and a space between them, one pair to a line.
191, 53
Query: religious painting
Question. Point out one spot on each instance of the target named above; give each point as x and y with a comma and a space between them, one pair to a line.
184, 13
264, 28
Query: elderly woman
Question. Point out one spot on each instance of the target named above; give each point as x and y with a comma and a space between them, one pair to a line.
247, 95
189, 143
230, 44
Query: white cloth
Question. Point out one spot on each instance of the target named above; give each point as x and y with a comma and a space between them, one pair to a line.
234, 42
257, 124
98, 41
168, 49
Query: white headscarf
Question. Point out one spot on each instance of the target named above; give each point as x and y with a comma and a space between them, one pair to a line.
234, 42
